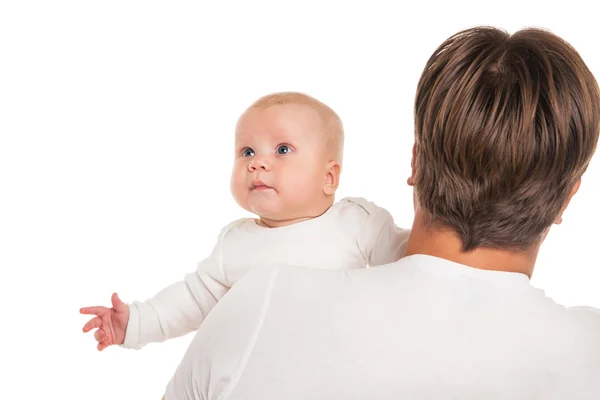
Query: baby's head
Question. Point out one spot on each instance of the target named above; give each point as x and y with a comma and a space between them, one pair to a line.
288, 155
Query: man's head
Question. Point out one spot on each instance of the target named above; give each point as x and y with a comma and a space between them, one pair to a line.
288, 154
505, 126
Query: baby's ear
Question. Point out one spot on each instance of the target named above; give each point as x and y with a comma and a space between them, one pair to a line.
332, 177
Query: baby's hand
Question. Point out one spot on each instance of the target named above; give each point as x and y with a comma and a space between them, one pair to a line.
112, 322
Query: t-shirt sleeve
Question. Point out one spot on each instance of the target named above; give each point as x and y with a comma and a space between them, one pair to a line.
589, 316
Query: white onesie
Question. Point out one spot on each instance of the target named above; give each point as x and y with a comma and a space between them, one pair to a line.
353, 233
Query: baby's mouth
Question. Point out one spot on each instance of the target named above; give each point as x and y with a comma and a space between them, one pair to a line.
258, 185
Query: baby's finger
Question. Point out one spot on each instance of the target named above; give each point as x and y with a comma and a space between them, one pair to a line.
93, 310
100, 336
93, 323
101, 346
116, 301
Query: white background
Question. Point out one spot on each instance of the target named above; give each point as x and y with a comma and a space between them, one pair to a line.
116, 123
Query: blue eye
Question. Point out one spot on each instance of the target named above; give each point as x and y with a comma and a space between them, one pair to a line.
284, 149
247, 152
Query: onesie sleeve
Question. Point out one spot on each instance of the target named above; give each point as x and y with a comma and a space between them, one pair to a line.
181, 307
386, 242
380, 240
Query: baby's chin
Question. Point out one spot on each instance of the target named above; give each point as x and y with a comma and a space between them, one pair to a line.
266, 208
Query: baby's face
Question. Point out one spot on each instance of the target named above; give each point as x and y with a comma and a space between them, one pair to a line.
280, 162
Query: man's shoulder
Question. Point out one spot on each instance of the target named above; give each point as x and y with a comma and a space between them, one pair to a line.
585, 341
586, 311
588, 318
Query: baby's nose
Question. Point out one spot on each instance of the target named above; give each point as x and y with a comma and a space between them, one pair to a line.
259, 162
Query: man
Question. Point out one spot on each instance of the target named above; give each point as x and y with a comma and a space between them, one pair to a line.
505, 126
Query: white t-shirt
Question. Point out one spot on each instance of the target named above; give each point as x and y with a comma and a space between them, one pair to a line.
353, 233
420, 328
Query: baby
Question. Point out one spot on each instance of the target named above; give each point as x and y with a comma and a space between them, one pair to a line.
288, 156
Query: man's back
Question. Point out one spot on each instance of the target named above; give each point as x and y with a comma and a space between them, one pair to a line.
419, 328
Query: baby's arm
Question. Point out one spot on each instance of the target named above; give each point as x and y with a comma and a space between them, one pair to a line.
179, 308
384, 242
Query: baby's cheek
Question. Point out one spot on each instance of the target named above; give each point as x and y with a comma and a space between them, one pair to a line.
305, 186
238, 188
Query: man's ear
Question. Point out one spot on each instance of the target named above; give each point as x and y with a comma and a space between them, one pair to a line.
411, 179
332, 177
574, 190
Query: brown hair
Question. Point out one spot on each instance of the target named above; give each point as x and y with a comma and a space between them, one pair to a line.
505, 125
332, 124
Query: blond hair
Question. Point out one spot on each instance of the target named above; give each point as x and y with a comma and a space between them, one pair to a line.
331, 122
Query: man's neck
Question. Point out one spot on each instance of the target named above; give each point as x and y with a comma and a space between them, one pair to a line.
444, 243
